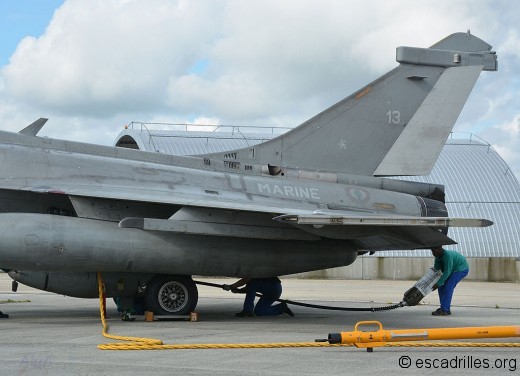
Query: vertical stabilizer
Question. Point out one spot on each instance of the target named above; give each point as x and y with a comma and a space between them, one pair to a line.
396, 125
33, 128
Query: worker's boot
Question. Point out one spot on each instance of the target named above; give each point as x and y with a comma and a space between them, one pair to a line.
441, 312
287, 310
244, 314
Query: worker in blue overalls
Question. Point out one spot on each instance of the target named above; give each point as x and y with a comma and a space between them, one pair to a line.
271, 290
454, 268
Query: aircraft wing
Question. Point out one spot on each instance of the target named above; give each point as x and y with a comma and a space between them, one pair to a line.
288, 212
237, 214
367, 232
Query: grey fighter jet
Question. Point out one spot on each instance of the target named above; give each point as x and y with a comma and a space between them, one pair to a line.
312, 198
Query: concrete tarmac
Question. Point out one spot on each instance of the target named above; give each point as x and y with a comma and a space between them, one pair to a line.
49, 334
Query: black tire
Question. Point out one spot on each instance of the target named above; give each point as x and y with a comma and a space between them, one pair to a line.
171, 295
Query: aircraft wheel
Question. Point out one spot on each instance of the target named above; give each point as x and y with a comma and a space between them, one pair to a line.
171, 295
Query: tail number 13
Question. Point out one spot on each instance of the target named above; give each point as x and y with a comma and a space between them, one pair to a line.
394, 117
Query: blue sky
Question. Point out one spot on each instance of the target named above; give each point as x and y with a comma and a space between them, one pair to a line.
93, 66
21, 18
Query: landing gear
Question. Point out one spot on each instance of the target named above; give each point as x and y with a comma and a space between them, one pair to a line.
171, 295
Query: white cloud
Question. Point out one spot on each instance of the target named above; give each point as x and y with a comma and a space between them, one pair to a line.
511, 45
513, 127
105, 57
103, 63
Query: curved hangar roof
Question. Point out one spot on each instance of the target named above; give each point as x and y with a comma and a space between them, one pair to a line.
479, 184
188, 142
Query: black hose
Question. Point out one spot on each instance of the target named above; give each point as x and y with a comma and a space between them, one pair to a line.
330, 308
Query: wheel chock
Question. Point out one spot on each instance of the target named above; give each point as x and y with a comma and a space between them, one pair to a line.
148, 316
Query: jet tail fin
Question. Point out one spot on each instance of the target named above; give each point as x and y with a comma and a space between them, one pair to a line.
33, 128
396, 125
418, 146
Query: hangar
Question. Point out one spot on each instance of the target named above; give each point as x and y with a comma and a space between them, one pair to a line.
479, 184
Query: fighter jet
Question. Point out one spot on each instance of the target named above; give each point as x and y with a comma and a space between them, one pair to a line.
315, 197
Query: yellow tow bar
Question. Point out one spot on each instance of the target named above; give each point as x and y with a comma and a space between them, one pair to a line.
381, 337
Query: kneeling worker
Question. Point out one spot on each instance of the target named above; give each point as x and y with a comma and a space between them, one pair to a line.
271, 290
454, 268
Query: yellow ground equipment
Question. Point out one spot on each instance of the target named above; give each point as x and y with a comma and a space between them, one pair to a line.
381, 337
357, 338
